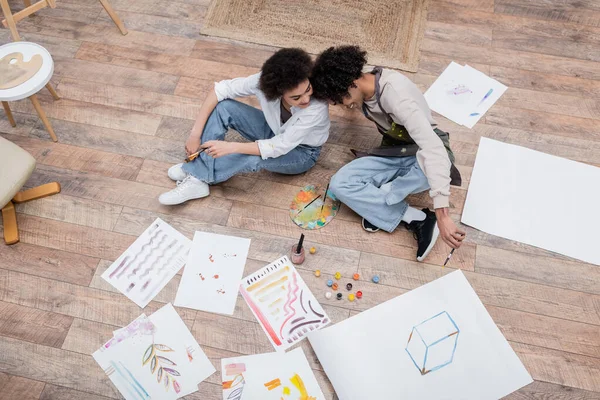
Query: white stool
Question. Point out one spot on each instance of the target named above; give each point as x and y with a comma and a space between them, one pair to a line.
33, 85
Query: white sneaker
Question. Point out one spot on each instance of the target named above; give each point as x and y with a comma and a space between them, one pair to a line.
188, 189
177, 173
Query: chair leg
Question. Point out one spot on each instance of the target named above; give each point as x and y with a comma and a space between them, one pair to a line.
9, 114
52, 91
113, 15
9, 217
43, 117
9, 20
37, 192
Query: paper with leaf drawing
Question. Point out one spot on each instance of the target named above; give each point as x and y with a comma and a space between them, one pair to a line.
149, 263
283, 304
270, 376
435, 342
212, 274
155, 357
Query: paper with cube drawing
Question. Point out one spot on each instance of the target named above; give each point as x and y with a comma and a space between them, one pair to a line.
282, 303
212, 274
154, 357
270, 376
434, 342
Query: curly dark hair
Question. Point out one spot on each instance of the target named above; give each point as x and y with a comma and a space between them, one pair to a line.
335, 71
283, 71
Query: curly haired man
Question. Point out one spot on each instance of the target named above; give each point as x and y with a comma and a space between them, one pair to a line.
414, 155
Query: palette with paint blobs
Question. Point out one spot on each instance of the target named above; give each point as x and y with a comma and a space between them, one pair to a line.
311, 208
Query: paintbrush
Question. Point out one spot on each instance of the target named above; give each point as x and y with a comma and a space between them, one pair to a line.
485, 97
192, 157
448, 258
300, 243
304, 208
324, 199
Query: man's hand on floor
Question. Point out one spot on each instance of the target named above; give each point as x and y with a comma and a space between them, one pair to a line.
448, 230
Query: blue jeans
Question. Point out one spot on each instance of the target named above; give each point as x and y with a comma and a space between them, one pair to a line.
359, 186
249, 122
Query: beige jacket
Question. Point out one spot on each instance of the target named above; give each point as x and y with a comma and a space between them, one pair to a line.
407, 106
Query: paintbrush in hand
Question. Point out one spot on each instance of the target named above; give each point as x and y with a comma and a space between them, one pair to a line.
193, 156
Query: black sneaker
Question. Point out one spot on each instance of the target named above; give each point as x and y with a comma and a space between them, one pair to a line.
369, 227
425, 232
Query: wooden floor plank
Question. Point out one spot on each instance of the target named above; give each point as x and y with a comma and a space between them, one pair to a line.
176, 11
514, 59
573, 275
495, 291
552, 333
75, 301
107, 35
74, 211
559, 367
164, 26
581, 12
93, 114
53, 392
544, 82
133, 99
158, 62
59, 48
77, 158
113, 141
544, 122
213, 49
443, 11
575, 49
33, 325
544, 390
54, 366
115, 75
560, 104
48, 263
344, 234
16, 387
132, 194
451, 32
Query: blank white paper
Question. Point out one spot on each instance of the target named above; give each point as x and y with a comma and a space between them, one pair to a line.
212, 274
535, 198
435, 342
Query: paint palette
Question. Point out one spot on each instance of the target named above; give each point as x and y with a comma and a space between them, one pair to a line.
309, 211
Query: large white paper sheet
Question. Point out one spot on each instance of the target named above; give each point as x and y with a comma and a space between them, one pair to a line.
436, 342
463, 94
270, 376
212, 274
149, 263
535, 198
282, 303
155, 357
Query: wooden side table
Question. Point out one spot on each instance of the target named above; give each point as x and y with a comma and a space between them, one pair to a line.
33, 85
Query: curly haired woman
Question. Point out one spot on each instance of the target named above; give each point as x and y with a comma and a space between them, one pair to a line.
414, 156
284, 137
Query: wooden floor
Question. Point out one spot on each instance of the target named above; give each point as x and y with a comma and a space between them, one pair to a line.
128, 105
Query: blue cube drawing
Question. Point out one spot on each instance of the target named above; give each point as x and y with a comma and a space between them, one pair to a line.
432, 343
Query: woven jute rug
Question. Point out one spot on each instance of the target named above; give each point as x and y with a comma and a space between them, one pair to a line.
390, 30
